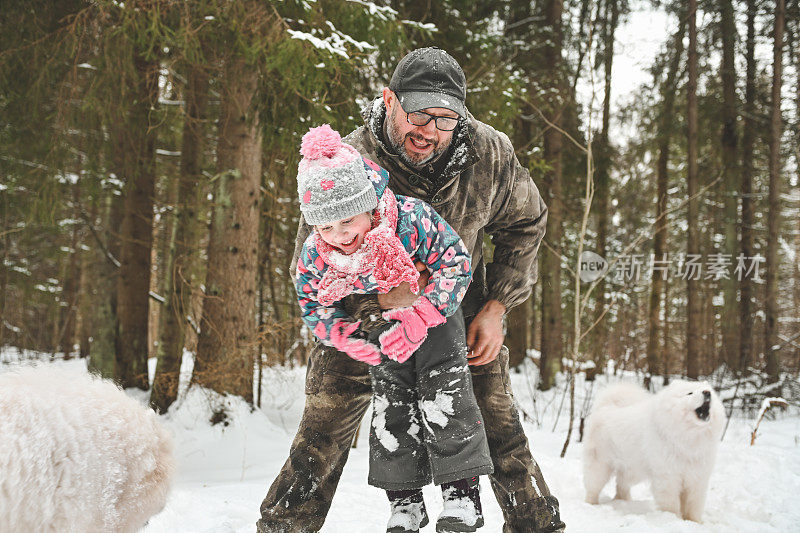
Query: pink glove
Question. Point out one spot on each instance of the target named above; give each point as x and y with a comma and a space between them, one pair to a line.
403, 338
358, 349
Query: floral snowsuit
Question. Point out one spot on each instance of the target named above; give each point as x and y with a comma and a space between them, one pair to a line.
426, 424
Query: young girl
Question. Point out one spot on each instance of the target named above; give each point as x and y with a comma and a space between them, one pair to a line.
426, 425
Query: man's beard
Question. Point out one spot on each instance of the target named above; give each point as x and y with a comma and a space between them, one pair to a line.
397, 142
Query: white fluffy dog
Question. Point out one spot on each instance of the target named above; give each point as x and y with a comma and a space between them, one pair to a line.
77, 454
669, 438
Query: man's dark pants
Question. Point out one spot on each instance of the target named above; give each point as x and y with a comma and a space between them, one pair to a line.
338, 393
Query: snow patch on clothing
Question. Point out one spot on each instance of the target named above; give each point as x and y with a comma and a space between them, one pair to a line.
413, 430
436, 411
536, 486
387, 440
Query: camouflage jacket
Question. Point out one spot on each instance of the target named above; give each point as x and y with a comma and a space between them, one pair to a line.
482, 189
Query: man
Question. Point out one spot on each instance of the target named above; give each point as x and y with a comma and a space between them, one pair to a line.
420, 131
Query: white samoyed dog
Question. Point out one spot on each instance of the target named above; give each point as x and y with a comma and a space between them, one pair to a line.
78, 455
669, 439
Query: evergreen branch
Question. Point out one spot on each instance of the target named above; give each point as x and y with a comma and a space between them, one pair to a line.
114, 261
561, 256
10, 231
606, 309
559, 129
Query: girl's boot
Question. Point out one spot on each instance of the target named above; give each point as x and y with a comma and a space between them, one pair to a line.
408, 511
462, 507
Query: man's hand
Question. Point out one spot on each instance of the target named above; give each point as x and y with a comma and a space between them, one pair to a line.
401, 296
485, 334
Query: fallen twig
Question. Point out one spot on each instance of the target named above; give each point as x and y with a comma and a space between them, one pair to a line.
766, 405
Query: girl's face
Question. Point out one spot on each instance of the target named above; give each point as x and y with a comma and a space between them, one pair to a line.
347, 234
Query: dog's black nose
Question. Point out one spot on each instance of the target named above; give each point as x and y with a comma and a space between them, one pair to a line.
706, 395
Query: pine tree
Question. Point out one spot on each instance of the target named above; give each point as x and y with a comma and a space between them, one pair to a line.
729, 319
656, 363
184, 243
552, 339
138, 136
226, 346
773, 219
693, 307
748, 141
602, 179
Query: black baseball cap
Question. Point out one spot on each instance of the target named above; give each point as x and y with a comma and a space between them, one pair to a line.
429, 77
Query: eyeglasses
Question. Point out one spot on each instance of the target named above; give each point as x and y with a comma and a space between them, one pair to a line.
421, 118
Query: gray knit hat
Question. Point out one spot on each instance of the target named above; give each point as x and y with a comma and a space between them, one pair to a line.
332, 182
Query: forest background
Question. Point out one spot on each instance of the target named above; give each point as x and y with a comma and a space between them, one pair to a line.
148, 155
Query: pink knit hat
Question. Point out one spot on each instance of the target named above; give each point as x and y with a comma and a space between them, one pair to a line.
332, 182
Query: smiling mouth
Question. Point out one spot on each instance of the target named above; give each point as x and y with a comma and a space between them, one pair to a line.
420, 144
348, 244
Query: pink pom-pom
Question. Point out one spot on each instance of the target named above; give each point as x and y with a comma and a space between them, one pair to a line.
319, 142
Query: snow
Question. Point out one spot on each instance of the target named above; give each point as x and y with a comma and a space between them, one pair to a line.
385, 437
382, 12
436, 411
461, 508
408, 516
766, 403
225, 470
322, 44
335, 43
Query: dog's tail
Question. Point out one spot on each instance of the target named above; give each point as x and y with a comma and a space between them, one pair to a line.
620, 395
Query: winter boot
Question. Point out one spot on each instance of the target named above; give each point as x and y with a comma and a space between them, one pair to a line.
408, 511
462, 507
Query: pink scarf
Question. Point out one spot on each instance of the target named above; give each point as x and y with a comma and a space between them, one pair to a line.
382, 255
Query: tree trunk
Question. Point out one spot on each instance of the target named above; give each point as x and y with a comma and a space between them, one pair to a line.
731, 181
183, 250
796, 284
226, 347
71, 277
655, 351
602, 191
133, 288
748, 219
166, 195
518, 332
552, 339
86, 284
5, 239
710, 358
774, 216
521, 35
693, 305
797, 235
103, 349
665, 333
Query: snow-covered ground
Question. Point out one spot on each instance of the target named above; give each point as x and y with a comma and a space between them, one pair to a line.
225, 471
